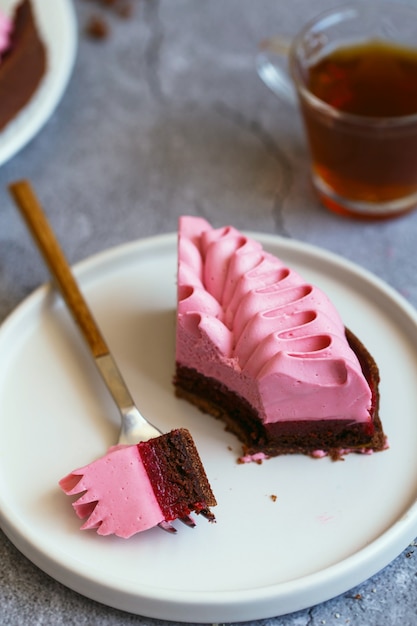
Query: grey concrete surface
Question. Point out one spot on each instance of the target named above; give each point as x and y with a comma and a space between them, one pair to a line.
167, 116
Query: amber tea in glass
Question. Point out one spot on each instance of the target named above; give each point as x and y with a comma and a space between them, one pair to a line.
369, 154
353, 72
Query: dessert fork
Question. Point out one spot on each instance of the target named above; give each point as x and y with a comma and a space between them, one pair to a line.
134, 427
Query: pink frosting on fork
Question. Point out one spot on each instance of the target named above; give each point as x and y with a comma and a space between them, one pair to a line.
248, 320
118, 497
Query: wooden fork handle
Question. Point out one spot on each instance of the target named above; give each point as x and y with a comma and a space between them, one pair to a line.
54, 257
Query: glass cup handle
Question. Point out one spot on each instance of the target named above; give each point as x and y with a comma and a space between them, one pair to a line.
273, 76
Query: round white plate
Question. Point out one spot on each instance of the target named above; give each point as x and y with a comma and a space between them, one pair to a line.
57, 25
332, 525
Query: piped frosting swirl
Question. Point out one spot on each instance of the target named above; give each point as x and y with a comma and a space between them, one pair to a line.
251, 322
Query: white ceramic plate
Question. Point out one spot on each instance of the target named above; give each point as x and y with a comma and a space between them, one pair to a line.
332, 524
57, 25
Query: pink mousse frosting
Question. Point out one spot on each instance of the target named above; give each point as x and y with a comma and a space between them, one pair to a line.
6, 27
118, 497
249, 321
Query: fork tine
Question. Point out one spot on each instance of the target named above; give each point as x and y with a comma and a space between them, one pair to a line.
208, 515
187, 520
167, 527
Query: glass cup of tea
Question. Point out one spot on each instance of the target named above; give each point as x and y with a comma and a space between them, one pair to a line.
353, 72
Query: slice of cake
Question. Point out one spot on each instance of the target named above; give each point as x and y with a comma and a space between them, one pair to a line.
22, 61
265, 351
133, 488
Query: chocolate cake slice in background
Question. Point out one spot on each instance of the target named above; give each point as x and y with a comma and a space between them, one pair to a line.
23, 65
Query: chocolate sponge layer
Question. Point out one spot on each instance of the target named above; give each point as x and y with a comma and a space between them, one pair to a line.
334, 437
